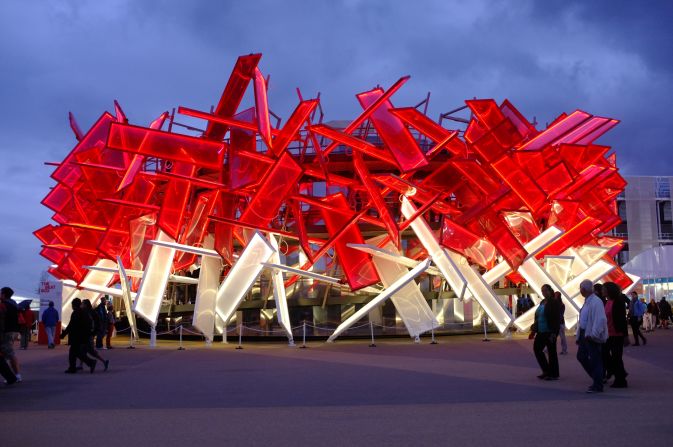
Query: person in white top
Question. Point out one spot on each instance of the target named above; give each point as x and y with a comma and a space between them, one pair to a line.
592, 333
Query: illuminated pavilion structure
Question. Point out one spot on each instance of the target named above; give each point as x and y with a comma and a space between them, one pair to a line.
392, 209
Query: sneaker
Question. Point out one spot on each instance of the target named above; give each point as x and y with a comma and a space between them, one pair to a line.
92, 368
18, 377
591, 390
106, 364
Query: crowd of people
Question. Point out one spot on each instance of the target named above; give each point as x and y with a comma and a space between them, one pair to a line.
87, 330
602, 331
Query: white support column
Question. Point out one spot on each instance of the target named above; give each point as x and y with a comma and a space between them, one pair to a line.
206, 292
126, 299
153, 284
242, 276
279, 296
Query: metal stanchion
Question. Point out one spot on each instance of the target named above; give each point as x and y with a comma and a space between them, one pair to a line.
153, 337
303, 336
224, 335
485, 320
240, 334
181, 348
432, 333
131, 339
371, 331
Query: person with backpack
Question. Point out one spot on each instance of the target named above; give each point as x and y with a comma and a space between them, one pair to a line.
26, 322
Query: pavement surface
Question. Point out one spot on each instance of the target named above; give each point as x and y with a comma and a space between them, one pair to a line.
461, 391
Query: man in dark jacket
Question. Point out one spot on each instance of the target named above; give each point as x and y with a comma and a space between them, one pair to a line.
11, 331
50, 320
547, 325
5, 371
101, 328
78, 332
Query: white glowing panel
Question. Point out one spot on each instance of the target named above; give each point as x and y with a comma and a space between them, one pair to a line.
206, 291
93, 279
242, 276
127, 299
590, 254
483, 293
536, 277
409, 301
443, 262
593, 274
153, 283
282, 312
387, 293
130, 273
559, 267
68, 293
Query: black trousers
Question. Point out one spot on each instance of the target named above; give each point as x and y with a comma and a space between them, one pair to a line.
546, 340
78, 351
635, 327
615, 365
6, 372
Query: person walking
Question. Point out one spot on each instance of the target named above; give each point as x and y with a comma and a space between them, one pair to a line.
50, 320
664, 312
653, 313
26, 322
5, 371
95, 329
615, 312
101, 311
546, 328
562, 323
636, 312
592, 333
79, 334
11, 331
111, 320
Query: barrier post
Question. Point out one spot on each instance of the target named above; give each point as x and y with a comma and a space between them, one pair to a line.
180, 347
485, 320
432, 333
131, 339
240, 333
303, 336
153, 337
371, 331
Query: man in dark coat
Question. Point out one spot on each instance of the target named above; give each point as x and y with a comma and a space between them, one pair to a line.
78, 332
547, 325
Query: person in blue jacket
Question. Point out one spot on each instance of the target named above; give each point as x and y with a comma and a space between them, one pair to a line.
50, 319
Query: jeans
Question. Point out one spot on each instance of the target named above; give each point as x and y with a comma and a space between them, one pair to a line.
546, 340
51, 334
562, 336
635, 327
590, 356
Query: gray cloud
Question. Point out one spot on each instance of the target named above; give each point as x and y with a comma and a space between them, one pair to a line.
608, 58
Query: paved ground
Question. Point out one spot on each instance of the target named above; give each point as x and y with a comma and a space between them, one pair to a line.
459, 392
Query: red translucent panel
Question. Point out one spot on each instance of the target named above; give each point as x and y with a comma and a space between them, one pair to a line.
176, 198
477, 176
618, 276
592, 136
376, 198
244, 170
555, 179
487, 112
579, 157
422, 123
273, 190
164, 145
615, 244
459, 239
294, 123
224, 234
572, 237
420, 194
522, 125
522, 224
195, 229
493, 226
393, 132
532, 162
355, 143
357, 265
492, 143
556, 130
262, 105
233, 93
68, 172
522, 185
593, 127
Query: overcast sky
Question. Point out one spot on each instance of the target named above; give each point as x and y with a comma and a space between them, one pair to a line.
609, 58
